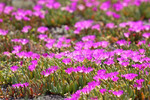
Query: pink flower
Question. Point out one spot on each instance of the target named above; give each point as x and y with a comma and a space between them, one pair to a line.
141, 42
118, 6
31, 67
1, 20
109, 13
3, 32
109, 62
142, 51
88, 38
115, 15
77, 31
102, 91
66, 28
146, 35
37, 7
14, 68
42, 29
81, 7
34, 62
130, 76
105, 5
83, 24
69, 70
58, 44
88, 70
118, 93
17, 48
40, 14
138, 84
24, 41
79, 58
110, 25
42, 36
8, 9
97, 27
56, 5
94, 98
49, 71
26, 29
66, 60
122, 42
20, 85
49, 45
115, 79
125, 64
140, 81
6, 53
126, 34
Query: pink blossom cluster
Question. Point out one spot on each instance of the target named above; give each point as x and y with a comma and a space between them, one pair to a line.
86, 90
110, 25
46, 55
5, 9
22, 41
21, 14
89, 42
84, 25
117, 93
127, 55
42, 29
33, 65
143, 65
138, 84
51, 4
135, 26
146, 35
102, 75
2, 6
50, 43
123, 42
79, 69
8, 9
49, 71
1, 20
89, 38
26, 29
81, 25
62, 42
129, 76
30, 54
20, 85
66, 60
14, 68
113, 14
3, 32
16, 49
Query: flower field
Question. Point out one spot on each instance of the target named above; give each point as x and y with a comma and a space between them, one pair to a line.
78, 49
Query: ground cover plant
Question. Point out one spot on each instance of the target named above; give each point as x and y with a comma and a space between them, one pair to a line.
79, 49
